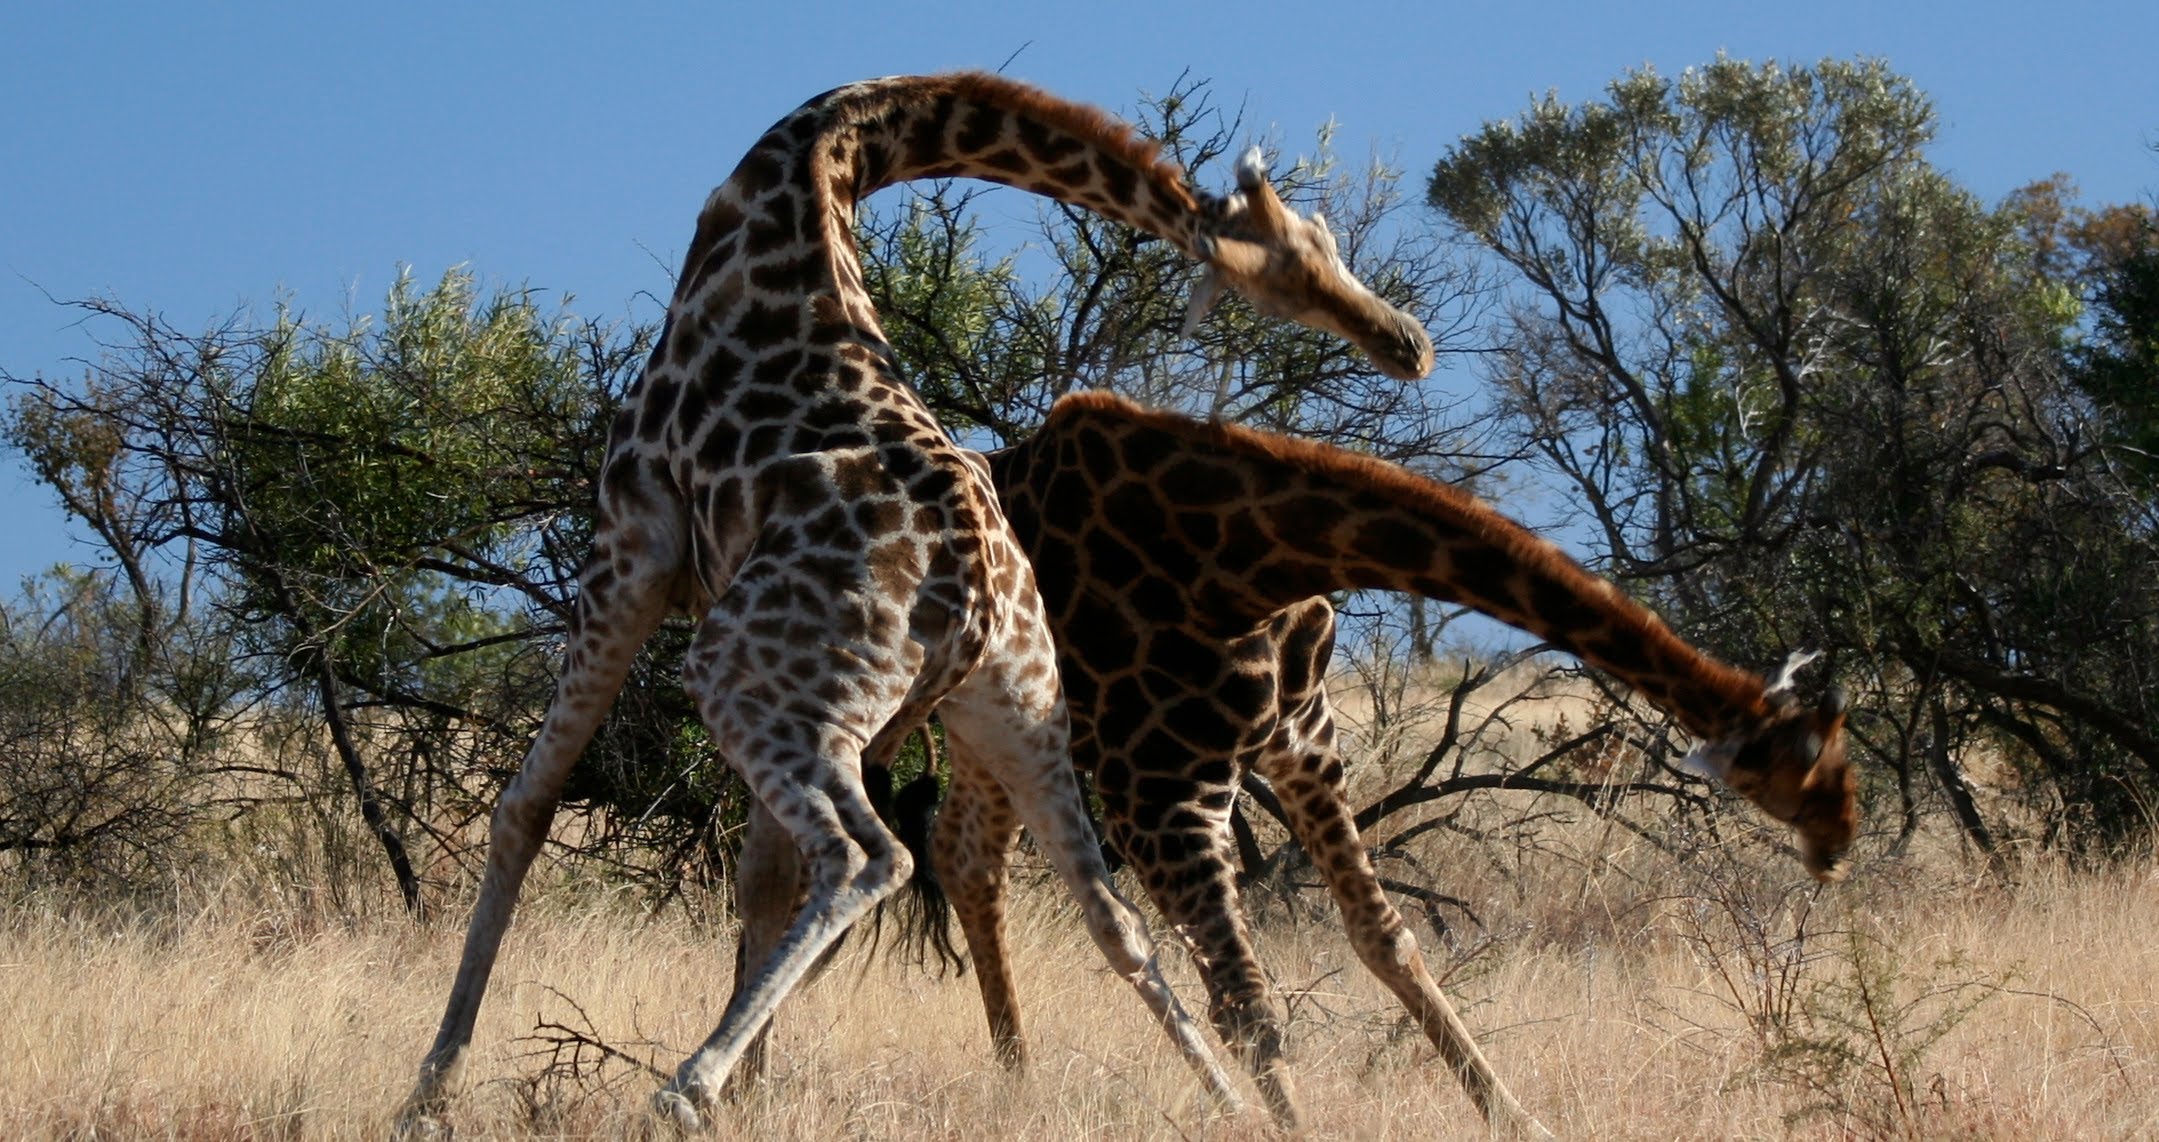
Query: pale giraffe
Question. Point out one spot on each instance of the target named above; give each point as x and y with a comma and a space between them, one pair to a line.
1180, 562
772, 475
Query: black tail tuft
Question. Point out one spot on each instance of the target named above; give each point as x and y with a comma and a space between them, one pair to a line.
924, 916
928, 920
877, 786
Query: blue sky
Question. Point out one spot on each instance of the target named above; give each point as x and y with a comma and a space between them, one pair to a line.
201, 158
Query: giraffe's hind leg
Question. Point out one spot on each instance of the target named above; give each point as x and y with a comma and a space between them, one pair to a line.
801, 757
1009, 715
971, 851
622, 596
768, 892
1305, 768
1184, 862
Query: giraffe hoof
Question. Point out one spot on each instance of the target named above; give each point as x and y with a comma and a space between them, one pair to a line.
1520, 1126
675, 1107
419, 1127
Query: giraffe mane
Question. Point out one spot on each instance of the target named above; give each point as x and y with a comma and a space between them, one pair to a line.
1389, 481
1398, 485
1097, 127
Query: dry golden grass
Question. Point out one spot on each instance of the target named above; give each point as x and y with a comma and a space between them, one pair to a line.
1612, 993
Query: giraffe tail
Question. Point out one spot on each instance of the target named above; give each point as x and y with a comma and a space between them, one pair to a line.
922, 912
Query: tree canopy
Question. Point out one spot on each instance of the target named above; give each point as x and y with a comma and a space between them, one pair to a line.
1803, 389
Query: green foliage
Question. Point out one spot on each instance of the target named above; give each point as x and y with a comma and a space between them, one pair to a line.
379, 447
370, 468
1681, 236
947, 302
391, 512
2119, 365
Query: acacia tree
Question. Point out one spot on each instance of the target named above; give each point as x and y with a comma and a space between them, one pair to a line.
386, 515
2116, 257
1799, 388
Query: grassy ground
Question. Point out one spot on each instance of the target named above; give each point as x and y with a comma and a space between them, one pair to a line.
1622, 995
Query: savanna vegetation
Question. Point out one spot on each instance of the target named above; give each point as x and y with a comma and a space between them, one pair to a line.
1730, 336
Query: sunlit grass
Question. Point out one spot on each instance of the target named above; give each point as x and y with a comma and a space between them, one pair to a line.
1598, 995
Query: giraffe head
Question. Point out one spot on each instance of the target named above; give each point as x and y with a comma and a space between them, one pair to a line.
1286, 264
1792, 766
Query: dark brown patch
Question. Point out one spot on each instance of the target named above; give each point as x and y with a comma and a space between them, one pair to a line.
1119, 179
1044, 144
763, 326
788, 275
1198, 483
656, 405
1004, 159
926, 137
980, 129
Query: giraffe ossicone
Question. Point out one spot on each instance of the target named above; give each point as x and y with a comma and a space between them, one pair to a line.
847, 564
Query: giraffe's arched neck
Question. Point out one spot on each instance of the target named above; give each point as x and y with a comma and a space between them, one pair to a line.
1255, 522
784, 219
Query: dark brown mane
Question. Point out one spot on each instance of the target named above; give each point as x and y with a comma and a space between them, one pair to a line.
1398, 485
1099, 128
1391, 482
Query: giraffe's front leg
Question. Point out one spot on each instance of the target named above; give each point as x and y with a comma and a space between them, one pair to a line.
620, 602
1184, 862
1305, 768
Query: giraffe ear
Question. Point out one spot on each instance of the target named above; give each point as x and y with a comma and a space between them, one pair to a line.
1831, 712
1793, 664
1325, 235
1204, 293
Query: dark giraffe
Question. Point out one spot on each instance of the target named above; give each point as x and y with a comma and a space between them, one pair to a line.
772, 475
1181, 563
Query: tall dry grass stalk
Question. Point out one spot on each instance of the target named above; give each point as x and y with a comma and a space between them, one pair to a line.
1624, 996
